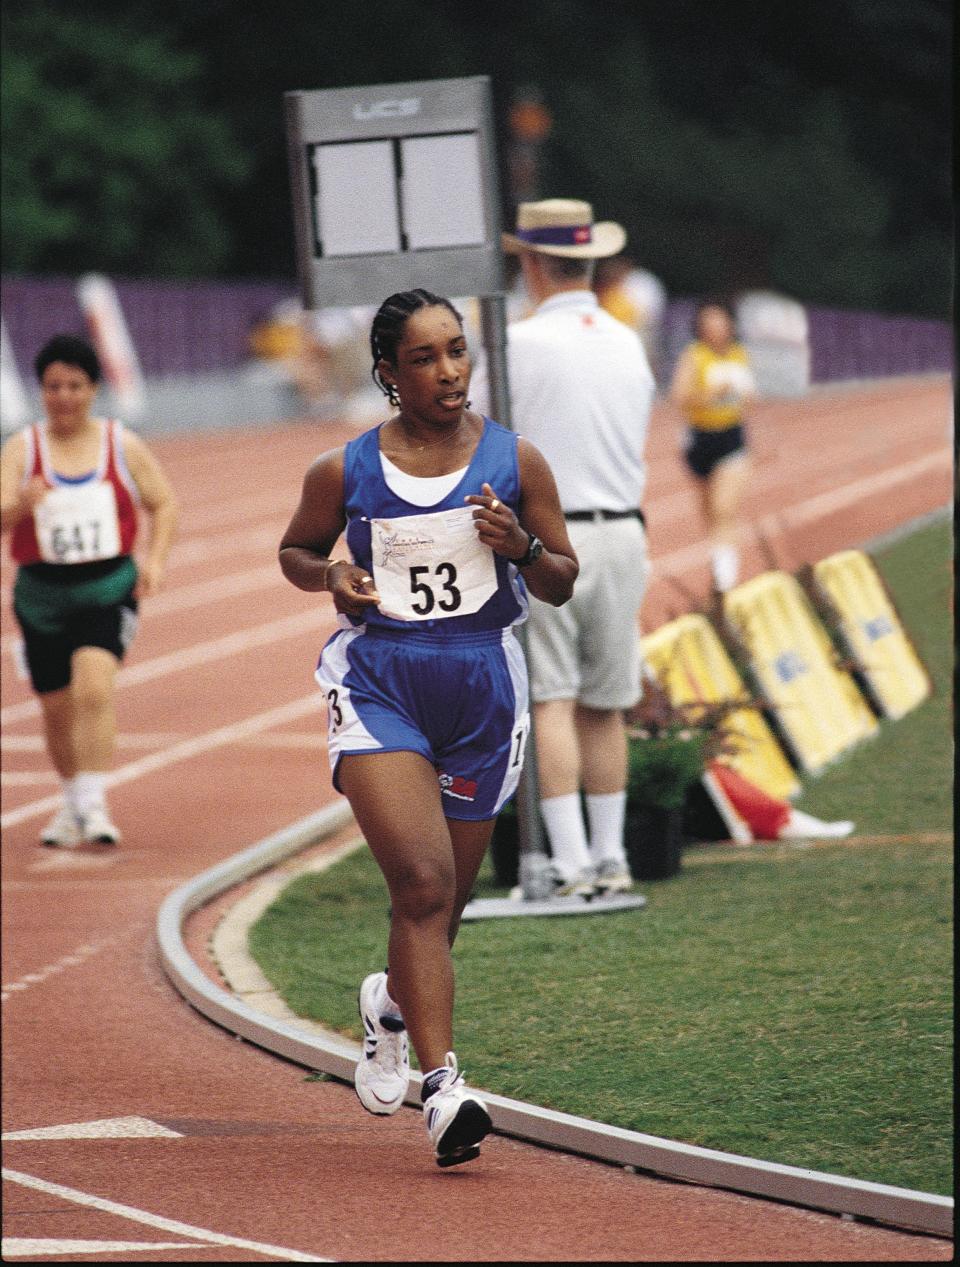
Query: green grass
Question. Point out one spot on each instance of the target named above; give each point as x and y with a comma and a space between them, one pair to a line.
787, 1002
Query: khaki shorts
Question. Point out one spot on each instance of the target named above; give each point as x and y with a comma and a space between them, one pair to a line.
589, 649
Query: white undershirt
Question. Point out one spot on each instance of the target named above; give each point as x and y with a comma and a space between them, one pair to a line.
419, 490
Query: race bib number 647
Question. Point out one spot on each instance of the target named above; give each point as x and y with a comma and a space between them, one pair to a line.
78, 525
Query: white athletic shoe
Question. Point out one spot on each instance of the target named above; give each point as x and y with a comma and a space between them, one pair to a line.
613, 877
455, 1118
382, 1074
583, 884
62, 829
96, 827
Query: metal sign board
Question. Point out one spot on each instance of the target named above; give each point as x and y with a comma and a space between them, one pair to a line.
394, 186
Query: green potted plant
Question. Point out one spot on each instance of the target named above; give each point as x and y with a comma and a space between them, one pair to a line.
668, 748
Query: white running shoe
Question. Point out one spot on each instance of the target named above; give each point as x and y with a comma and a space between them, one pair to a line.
382, 1074
456, 1119
96, 827
62, 829
613, 877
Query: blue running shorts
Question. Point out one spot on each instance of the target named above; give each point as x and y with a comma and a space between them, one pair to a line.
461, 703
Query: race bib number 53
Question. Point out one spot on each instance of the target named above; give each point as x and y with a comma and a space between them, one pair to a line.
431, 567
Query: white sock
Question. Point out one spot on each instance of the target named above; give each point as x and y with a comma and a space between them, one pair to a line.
606, 813
567, 834
385, 1004
431, 1082
88, 791
69, 798
726, 565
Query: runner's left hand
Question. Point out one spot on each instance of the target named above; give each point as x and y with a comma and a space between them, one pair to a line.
497, 525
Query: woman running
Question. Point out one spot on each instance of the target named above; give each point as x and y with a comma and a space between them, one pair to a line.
449, 519
70, 490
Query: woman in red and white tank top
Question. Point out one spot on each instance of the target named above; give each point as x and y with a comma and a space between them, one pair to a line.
71, 489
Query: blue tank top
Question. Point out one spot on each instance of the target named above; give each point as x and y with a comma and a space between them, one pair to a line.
431, 571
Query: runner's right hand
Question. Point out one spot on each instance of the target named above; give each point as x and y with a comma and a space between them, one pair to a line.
351, 587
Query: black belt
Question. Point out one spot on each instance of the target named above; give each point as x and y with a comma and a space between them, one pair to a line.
597, 515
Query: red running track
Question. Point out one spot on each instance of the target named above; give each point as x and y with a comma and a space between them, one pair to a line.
221, 744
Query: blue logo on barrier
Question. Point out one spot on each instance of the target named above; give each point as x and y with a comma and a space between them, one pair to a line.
877, 628
788, 666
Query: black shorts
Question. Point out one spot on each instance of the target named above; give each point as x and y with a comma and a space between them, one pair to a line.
57, 619
706, 449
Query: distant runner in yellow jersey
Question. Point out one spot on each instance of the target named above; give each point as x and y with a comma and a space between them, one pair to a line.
712, 385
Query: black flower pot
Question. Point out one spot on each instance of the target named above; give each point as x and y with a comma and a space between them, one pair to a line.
654, 841
505, 850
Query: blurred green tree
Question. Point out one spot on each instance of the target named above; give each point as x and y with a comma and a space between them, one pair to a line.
109, 160
805, 147
714, 209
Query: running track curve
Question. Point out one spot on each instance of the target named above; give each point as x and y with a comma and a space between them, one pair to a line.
218, 1150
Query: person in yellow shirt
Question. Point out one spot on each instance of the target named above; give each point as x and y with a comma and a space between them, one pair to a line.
712, 385
637, 298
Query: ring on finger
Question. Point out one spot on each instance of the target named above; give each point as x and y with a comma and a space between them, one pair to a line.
494, 504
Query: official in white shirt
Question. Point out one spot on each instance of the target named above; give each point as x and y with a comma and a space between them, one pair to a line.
581, 390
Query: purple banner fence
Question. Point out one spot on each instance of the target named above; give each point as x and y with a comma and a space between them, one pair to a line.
846, 345
204, 327
176, 327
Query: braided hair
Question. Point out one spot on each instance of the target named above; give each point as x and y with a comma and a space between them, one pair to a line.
387, 329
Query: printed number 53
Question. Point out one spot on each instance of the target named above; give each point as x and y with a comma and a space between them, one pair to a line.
450, 596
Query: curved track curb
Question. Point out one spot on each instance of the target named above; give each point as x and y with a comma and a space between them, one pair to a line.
336, 1056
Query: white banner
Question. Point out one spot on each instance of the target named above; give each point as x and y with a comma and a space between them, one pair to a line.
98, 299
14, 404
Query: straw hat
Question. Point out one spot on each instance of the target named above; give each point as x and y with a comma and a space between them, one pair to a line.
563, 226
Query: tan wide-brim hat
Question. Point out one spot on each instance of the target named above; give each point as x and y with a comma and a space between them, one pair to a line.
563, 226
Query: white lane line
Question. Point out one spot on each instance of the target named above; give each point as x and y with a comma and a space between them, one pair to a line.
294, 741
288, 739
71, 858
198, 594
198, 653
206, 549
126, 739
215, 590
105, 1128
71, 960
234, 733
45, 1246
156, 1220
823, 504
237, 508
834, 499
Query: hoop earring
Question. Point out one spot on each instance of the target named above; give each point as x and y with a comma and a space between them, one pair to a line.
393, 396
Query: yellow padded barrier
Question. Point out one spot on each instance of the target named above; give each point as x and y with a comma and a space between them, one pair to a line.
871, 632
692, 665
817, 703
